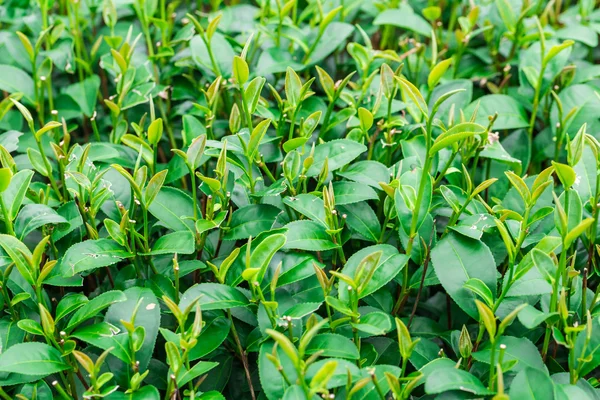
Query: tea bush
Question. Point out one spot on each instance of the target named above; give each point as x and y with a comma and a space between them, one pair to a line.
294, 199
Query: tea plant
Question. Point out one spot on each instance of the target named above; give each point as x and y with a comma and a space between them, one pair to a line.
299, 199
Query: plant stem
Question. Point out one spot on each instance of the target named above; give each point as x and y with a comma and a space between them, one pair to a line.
562, 262
242, 354
48, 169
492, 364
415, 218
7, 220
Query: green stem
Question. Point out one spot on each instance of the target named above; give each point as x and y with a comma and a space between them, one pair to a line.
242, 354
511, 263
247, 113
194, 194
377, 387
49, 169
443, 171
326, 118
266, 170
415, 217
387, 219
536, 99
553, 299
4, 395
492, 364
312, 47
7, 220
292, 124
216, 69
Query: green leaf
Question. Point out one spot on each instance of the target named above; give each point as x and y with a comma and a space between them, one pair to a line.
140, 146
177, 242
17, 252
531, 317
294, 392
406, 200
375, 323
308, 235
496, 151
565, 173
367, 172
258, 133
203, 225
361, 218
388, 267
577, 231
195, 152
92, 254
413, 93
580, 102
93, 307
171, 206
155, 131
201, 368
71, 213
301, 310
334, 36
293, 86
340, 306
340, 375
68, 304
460, 92
511, 114
448, 379
16, 191
333, 345
404, 17
263, 254
148, 392
352, 192
554, 50
586, 170
240, 70
517, 349
147, 308
366, 118
31, 326
591, 347
37, 162
438, 72
272, 382
5, 177
213, 334
223, 57
252, 92
455, 134
338, 153
213, 296
456, 259
369, 391
154, 186
575, 208
507, 14
32, 359
532, 384
478, 287
251, 220
308, 205
16, 80
34, 216
85, 94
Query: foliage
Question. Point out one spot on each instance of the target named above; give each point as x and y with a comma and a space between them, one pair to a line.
299, 199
